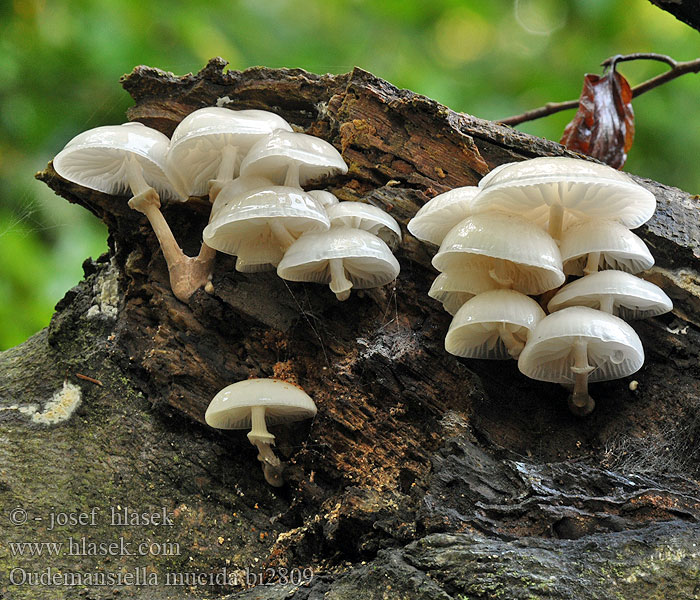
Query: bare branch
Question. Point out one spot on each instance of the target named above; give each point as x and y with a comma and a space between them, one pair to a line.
677, 69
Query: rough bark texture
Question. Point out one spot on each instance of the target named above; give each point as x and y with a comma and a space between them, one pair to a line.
423, 475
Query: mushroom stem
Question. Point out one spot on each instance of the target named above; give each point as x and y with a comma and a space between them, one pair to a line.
580, 402
292, 178
137, 182
607, 304
556, 219
340, 285
225, 174
262, 439
514, 345
281, 233
186, 274
592, 263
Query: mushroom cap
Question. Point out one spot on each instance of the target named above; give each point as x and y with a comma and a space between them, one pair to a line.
283, 402
368, 218
324, 198
235, 188
245, 221
614, 348
196, 146
586, 190
474, 331
454, 288
97, 158
367, 260
619, 248
528, 255
273, 154
633, 298
437, 216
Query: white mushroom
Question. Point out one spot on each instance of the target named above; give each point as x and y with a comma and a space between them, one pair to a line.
437, 216
616, 293
259, 226
207, 146
341, 257
368, 218
234, 189
493, 325
117, 158
324, 198
293, 159
559, 191
454, 288
514, 252
254, 404
594, 245
577, 345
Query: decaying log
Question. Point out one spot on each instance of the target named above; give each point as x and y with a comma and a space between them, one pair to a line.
423, 475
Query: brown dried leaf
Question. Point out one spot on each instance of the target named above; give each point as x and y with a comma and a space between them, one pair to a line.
604, 124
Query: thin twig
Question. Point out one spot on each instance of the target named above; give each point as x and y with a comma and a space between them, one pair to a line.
90, 379
677, 69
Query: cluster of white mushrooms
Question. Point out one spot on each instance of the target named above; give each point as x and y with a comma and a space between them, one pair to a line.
252, 166
519, 233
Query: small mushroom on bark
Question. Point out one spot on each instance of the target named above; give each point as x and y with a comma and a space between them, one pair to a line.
557, 192
578, 345
342, 257
255, 404
454, 288
293, 159
368, 218
115, 159
493, 325
591, 246
437, 216
514, 252
258, 227
614, 292
207, 146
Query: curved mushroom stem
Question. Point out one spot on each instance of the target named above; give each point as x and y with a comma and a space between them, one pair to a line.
225, 174
592, 263
292, 178
556, 219
263, 440
186, 274
514, 345
340, 285
580, 403
281, 233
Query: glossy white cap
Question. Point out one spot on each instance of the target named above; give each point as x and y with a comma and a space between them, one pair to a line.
283, 402
477, 328
613, 347
515, 248
628, 297
97, 159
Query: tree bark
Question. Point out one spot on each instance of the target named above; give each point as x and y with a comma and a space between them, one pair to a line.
423, 475
684, 10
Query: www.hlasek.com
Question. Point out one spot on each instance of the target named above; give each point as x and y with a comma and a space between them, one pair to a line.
122, 517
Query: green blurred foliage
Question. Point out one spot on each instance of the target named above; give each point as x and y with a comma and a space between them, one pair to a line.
61, 60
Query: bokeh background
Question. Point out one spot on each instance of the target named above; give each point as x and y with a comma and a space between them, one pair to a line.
61, 60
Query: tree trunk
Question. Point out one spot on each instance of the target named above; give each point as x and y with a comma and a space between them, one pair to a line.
422, 476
